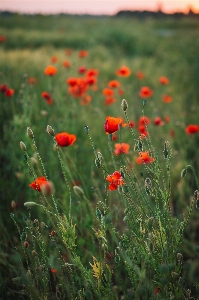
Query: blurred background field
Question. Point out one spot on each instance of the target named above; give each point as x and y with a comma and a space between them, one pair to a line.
162, 47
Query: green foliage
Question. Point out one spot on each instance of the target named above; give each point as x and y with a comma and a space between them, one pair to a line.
84, 241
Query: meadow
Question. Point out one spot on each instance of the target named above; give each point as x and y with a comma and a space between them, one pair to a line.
99, 140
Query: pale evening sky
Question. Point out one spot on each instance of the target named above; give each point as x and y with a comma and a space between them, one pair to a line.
95, 6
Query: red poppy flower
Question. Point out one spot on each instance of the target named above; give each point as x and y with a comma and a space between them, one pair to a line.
166, 98
71, 81
140, 75
156, 290
109, 100
142, 130
123, 71
145, 92
167, 119
158, 121
85, 100
53, 270
83, 53
9, 92
144, 158
114, 137
91, 80
79, 88
172, 133
115, 179
164, 80
92, 72
32, 81
120, 92
50, 71
107, 92
111, 124
192, 128
37, 183
144, 120
114, 84
54, 59
65, 139
3, 38
82, 70
66, 64
3, 88
68, 51
121, 148
47, 97
131, 124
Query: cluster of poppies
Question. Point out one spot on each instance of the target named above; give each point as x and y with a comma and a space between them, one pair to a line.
4, 88
78, 86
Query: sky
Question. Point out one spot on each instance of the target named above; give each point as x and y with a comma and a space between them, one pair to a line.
96, 6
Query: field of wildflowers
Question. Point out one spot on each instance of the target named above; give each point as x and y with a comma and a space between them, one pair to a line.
99, 158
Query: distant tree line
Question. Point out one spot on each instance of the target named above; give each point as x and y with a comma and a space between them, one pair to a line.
155, 14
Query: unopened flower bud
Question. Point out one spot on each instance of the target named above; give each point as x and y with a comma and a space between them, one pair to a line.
22, 146
50, 130
179, 256
13, 204
34, 253
78, 191
30, 133
26, 244
183, 173
86, 129
124, 105
29, 204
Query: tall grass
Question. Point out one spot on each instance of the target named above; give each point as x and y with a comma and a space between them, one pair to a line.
87, 242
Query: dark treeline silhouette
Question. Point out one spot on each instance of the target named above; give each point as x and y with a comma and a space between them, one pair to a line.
155, 14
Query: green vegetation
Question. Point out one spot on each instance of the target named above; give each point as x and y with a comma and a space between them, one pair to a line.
87, 242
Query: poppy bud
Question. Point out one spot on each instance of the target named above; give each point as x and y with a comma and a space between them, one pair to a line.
117, 258
26, 244
50, 130
179, 257
78, 191
34, 253
52, 233
183, 173
30, 133
22, 146
124, 105
13, 204
125, 188
86, 129
97, 163
29, 204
